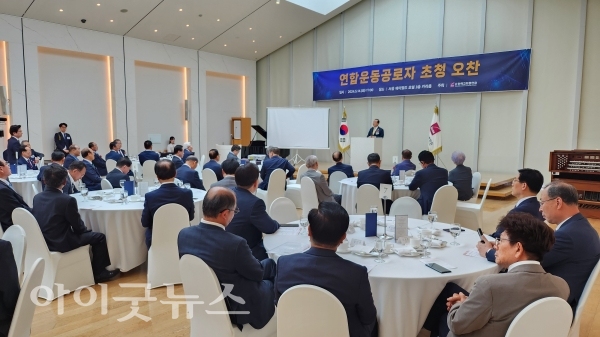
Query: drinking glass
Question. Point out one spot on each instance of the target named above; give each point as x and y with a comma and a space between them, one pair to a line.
84, 192
373, 209
455, 231
425, 243
125, 194
303, 225
432, 217
379, 247
122, 183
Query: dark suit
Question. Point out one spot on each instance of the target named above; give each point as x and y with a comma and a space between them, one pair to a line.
429, 180
70, 187
227, 182
339, 166
216, 167
252, 221
114, 155
10, 201
36, 154
91, 179
62, 142
346, 280
189, 176
9, 286
405, 165
461, 177
231, 259
40, 176
231, 155
115, 176
270, 165
148, 155
378, 133
177, 161
186, 153
68, 160
166, 194
375, 176
100, 164
29, 162
63, 229
13, 150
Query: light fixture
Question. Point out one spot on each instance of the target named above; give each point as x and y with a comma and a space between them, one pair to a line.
280, 36
187, 25
277, 2
112, 20
250, 28
193, 38
156, 30
60, 10
218, 19
255, 52
225, 45
98, 5
124, 10
253, 41
181, 9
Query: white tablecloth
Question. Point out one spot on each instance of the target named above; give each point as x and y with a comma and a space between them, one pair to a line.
121, 223
348, 192
403, 287
23, 185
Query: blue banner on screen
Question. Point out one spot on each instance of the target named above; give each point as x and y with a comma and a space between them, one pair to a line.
502, 71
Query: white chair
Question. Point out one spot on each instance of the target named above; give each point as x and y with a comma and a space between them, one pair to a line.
201, 283
35, 190
470, 215
334, 181
105, 184
409, 173
283, 210
309, 196
111, 164
444, 203
301, 170
585, 295
276, 188
307, 303
148, 174
1, 232
406, 206
72, 269
475, 185
367, 195
208, 178
546, 317
200, 165
16, 235
163, 254
20, 326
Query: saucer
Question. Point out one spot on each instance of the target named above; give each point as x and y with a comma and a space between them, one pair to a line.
410, 254
343, 251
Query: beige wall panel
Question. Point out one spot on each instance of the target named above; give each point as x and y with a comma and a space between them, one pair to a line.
589, 118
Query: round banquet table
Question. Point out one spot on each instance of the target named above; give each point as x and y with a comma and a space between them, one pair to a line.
403, 288
23, 185
348, 192
121, 223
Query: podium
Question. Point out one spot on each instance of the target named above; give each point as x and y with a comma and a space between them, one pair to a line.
360, 148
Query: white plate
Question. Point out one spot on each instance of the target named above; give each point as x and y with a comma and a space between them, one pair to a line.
363, 254
410, 254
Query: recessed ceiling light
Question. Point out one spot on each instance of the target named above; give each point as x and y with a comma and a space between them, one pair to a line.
193, 38
252, 40
277, 2
250, 28
60, 10
181, 9
187, 25
280, 36
112, 20
225, 45
124, 10
255, 52
156, 30
218, 19
97, 4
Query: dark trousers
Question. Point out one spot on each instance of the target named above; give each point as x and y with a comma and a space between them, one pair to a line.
100, 257
337, 198
436, 321
259, 251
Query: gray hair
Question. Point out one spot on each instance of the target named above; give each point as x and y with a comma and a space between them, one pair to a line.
186, 145
311, 161
458, 157
192, 158
560, 189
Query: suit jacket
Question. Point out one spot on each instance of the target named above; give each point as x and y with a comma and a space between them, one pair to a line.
252, 221
91, 179
186, 153
489, 311
270, 165
59, 220
347, 169
36, 154
29, 162
190, 176
216, 167
177, 161
68, 160
227, 182
230, 155
148, 155
346, 280
324, 193
378, 133
405, 165
10, 201
70, 187
115, 176
374, 176
231, 259
462, 178
40, 176
13, 150
61, 142
166, 194
100, 164
9, 286
429, 180
114, 155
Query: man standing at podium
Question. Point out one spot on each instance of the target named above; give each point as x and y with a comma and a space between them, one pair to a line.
375, 131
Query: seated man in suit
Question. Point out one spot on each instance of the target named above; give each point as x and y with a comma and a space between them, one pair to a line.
119, 173
118, 148
188, 150
98, 161
429, 180
375, 131
91, 179
188, 175
213, 164
9, 286
271, 164
324, 193
13, 146
229, 166
27, 159
525, 187
461, 177
113, 153
10, 198
62, 227
74, 153
177, 156
75, 173
339, 166
58, 158
231, 259
62, 140
252, 220
405, 164
375, 176
235, 150
37, 155
148, 154
167, 193
322, 267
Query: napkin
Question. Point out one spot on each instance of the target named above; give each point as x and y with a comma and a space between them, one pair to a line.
436, 243
405, 250
473, 252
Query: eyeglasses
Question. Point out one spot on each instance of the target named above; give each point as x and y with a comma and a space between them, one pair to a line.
542, 202
500, 240
235, 211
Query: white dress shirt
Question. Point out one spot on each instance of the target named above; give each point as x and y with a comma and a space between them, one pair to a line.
520, 263
212, 223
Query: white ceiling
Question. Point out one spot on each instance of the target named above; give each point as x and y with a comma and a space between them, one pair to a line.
267, 19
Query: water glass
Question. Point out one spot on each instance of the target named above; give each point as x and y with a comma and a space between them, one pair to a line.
373, 209
122, 183
84, 192
425, 243
432, 217
455, 231
379, 247
125, 194
303, 225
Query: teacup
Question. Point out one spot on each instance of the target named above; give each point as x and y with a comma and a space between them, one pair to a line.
415, 243
135, 197
389, 248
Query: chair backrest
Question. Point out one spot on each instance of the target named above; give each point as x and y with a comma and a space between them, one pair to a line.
35, 190
367, 195
301, 170
106, 185
16, 235
208, 178
584, 296
476, 184
199, 280
307, 303
36, 245
111, 164
276, 188
444, 203
23, 316
148, 174
308, 192
485, 193
1, 232
168, 220
533, 320
283, 210
406, 206
334, 181
201, 163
